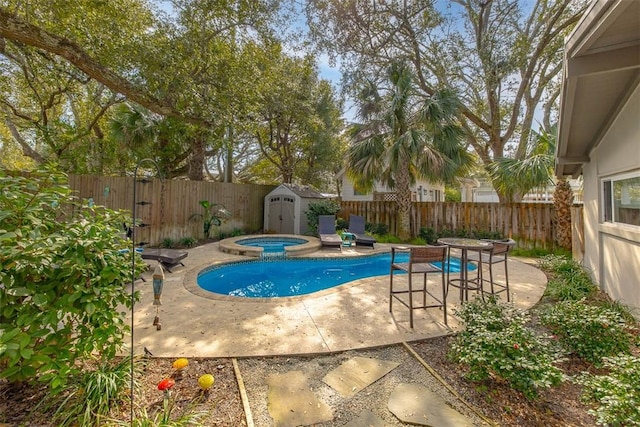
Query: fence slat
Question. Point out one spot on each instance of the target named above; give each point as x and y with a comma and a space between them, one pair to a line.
531, 225
175, 211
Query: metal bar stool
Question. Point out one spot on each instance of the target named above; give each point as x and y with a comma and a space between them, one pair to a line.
497, 254
421, 260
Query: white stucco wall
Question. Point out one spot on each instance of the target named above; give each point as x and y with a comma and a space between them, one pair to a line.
612, 251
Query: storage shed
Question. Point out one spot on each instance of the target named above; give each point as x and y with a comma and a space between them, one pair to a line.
285, 209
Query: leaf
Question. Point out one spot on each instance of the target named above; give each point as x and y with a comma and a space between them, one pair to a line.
18, 292
40, 299
26, 353
90, 308
6, 336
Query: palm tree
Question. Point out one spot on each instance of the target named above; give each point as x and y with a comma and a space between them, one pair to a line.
403, 137
516, 177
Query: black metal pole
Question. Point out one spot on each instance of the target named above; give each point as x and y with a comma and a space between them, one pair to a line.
133, 270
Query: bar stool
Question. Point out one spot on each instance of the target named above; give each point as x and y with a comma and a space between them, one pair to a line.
421, 260
495, 255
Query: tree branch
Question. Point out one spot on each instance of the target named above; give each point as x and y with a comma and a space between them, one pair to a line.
14, 28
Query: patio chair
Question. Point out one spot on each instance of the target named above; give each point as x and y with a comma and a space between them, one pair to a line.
495, 255
356, 227
421, 260
327, 232
169, 258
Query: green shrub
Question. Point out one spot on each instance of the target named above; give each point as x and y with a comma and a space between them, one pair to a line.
187, 242
591, 332
90, 396
377, 229
168, 243
388, 238
496, 344
617, 393
428, 234
63, 277
569, 280
323, 207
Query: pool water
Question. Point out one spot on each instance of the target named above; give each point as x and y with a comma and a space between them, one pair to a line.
271, 244
299, 276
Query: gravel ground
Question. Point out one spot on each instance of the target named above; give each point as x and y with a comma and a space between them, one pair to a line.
374, 397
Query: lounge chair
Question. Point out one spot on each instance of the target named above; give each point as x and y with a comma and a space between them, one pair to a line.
356, 227
169, 258
327, 231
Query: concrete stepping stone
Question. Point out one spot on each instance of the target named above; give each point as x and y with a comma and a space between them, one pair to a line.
291, 402
357, 373
367, 419
415, 404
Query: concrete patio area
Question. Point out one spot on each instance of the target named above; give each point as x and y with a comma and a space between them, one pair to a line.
196, 323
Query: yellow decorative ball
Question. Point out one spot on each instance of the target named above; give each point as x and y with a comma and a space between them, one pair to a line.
205, 381
180, 363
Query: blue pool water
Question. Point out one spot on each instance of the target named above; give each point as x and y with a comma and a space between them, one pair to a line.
292, 277
271, 244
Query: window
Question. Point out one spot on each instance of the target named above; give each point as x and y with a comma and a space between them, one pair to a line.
358, 191
621, 199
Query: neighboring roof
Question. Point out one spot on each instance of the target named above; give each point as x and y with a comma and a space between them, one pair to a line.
303, 191
601, 71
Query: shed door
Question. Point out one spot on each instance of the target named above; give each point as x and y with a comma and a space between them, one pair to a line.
281, 214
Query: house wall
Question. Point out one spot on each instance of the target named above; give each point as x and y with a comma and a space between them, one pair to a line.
612, 251
348, 191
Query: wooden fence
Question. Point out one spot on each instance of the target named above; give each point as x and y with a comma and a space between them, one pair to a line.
171, 210
532, 225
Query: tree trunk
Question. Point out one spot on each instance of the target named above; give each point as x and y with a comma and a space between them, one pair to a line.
196, 159
403, 200
562, 201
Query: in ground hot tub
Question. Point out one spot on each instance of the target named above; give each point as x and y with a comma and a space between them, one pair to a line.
270, 245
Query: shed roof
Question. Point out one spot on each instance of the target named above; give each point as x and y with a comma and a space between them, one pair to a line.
303, 191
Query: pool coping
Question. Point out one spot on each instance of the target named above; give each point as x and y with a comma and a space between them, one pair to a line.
231, 246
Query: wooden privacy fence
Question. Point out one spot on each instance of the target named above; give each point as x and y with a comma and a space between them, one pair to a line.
530, 224
171, 209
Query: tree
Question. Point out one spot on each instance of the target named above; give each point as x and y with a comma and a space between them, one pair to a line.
404, 136
297, 123
502, 57
516, 177
172, 143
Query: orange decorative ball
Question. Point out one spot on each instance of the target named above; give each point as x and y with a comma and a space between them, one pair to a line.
180, 363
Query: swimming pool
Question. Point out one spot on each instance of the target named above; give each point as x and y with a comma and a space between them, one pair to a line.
274, 244
293, 277
270, 245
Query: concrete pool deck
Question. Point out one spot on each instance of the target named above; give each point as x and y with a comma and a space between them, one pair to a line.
196, 323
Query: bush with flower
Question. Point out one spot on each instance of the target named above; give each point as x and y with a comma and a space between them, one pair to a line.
496, 344
590, 331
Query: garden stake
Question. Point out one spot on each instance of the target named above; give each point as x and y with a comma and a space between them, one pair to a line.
158, 283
